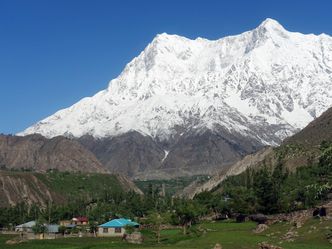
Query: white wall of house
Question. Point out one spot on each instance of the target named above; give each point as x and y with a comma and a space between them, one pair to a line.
110, 232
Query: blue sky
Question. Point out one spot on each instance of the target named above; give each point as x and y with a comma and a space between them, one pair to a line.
53, 53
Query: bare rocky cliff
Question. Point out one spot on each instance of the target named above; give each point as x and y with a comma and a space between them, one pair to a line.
188, 153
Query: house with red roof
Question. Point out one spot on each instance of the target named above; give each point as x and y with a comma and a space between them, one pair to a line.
80, 221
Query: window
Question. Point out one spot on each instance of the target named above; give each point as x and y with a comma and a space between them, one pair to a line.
105, 230
117, 230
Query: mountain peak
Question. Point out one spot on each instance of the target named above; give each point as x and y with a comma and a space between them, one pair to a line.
265, 79
271, 25
166, 37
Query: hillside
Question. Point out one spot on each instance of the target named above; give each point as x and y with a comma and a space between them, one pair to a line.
58, 187
298, 150
317, 131
37, 153
140, 157
16, 187
200, 105
248, 161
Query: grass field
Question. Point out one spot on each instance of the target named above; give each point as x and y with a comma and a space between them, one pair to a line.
229, 234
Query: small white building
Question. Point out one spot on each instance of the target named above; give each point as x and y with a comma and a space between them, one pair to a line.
115, 228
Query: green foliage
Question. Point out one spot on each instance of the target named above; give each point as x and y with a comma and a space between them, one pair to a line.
77, 186
329, 235
39, 228
171, 185
157, 220
325, 162
288, 150
129, 229
62, 229
187, 212
276, 190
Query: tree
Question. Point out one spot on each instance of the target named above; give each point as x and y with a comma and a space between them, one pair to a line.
188, 211
62, 229
243, 200
39, 228
324, 168
157, 220
129, 229
265, 191
93, 228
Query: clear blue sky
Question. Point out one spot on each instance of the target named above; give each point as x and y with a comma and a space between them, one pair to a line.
53, 53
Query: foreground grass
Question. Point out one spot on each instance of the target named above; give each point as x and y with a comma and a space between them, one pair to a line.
204, 236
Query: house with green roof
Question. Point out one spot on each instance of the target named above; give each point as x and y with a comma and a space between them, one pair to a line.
115, 228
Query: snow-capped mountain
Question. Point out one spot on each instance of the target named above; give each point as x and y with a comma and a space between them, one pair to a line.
264, 85
267, 76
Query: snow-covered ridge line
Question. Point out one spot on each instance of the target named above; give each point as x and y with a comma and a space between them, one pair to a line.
265, 83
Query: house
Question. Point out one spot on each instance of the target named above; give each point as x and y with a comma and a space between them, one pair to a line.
25, 227
115, 228
80, 221
65, 222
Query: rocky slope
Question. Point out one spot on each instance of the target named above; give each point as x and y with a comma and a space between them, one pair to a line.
250, 90
17, 187
317, 131
139, 156
37, 153
298, 150
248, 161
127, 154
58, 187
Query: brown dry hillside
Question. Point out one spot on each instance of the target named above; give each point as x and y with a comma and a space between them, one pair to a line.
38, 153
58, 187
317, 131
16, 187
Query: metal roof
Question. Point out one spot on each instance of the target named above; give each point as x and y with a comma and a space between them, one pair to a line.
29, 224
52, 228
119, 223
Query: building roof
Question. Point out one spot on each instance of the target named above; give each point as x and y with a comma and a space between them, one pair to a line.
81, 219
52, 228
119, 223
70, 225
29, 224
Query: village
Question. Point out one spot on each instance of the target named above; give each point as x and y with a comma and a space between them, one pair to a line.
78, 227
127, 231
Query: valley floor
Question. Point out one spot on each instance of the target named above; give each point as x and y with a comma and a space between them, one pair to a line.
203, 236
